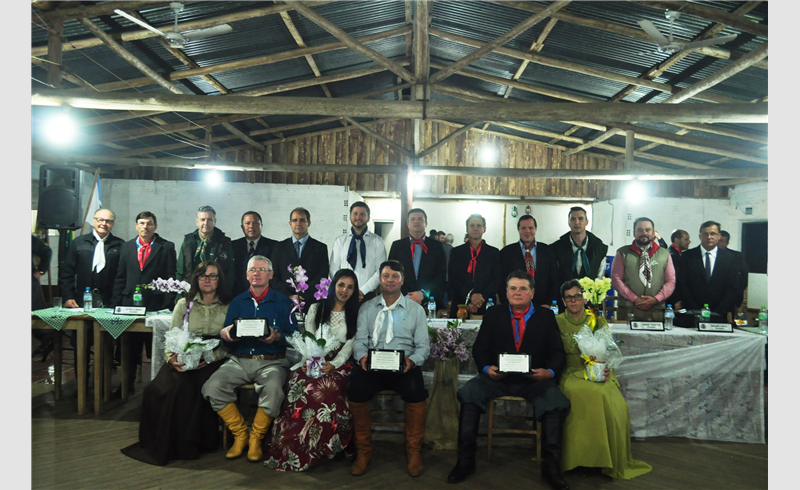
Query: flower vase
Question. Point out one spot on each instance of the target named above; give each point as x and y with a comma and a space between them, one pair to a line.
441, 425
314, 367
300, 320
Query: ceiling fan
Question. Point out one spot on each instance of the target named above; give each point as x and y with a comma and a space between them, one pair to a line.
177, 39
670, 46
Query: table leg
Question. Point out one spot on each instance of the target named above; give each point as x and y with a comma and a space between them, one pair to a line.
57, 361
98, 368
108, 345
126, 367
81, 368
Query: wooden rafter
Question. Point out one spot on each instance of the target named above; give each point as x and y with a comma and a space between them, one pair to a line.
710, 13
535, 48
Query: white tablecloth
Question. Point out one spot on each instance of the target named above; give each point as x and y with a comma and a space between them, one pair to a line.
687, 383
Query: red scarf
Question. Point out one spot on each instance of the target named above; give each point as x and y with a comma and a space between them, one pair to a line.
519, 334
420, 241
672, 245
144, 252
473, 261
261, 297
653, 247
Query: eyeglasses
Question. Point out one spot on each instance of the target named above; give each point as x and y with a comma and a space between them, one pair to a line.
708, 235
107, 221
577, 297
262, 270
298, 220
209, 277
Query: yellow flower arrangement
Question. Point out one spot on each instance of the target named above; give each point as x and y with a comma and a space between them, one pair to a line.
594, 290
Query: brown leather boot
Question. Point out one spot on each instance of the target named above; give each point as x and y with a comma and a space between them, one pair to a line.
235, 422
257, 432
362, 430
415, 432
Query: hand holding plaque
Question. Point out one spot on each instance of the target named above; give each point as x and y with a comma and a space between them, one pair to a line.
251, 328
385, 360
514, 363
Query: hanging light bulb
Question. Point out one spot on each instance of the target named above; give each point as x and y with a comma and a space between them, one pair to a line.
488, 155
635, 192
60, 129
213, 178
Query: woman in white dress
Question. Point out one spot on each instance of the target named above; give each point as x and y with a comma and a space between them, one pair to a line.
315, 420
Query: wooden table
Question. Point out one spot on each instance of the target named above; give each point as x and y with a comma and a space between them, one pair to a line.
103, 359
79, 324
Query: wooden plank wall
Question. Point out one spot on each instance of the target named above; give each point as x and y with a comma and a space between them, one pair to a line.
349, 146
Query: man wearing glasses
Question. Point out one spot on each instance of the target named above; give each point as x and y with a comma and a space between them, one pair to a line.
91, 262
257, 360
706, 276
299, 249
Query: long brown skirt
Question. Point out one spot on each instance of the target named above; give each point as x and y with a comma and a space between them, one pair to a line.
177, 422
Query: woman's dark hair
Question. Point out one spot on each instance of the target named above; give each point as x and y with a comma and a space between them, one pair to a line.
572, 283
223, 294
323, 313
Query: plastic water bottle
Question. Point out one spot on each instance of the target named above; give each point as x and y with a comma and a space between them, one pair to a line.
669, 317
554, 307
705, 313
137, 297
431, 309
763, 318
87, 300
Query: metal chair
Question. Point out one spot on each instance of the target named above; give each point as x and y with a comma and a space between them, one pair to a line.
537, 442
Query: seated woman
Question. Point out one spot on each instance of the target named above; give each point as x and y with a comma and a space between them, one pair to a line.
597, 430
315, 420
177, 422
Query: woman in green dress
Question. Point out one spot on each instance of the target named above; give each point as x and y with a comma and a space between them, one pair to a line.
597, 430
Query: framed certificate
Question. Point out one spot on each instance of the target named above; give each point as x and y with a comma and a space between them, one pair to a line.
514, 363
251, 327
636, 325
386, 360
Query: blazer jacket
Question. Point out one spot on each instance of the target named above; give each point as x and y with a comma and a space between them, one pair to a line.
76, 274
314, 260
432, 269
241, 255
162, 262
487, 275
541, 340
720, 292
546, 285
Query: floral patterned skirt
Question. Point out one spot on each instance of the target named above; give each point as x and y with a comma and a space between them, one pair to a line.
313, 423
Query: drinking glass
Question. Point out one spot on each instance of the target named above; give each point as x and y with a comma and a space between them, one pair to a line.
57, 303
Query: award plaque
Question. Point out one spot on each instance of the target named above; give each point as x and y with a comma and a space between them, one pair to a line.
657, 326
715, 327
386, 360
514, 363
251, 328
130, 310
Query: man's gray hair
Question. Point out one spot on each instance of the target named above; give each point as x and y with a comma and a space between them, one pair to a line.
449, 238
207, 209
258, 257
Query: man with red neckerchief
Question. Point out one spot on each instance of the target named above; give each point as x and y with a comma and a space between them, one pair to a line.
474, 270
519, 327
643, 275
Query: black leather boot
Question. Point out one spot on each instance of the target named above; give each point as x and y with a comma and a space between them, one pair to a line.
468, 422
552, 433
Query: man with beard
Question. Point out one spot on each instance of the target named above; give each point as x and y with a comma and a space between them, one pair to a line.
360, 250
643, 275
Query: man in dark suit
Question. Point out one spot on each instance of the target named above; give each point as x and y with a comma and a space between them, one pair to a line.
707, 275
91, 261
474, 270
142, 260
516, 328
251, 244
537, 258
299, 249
423, 260
722, 243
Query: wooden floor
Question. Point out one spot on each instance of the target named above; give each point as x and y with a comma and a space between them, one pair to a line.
71, 451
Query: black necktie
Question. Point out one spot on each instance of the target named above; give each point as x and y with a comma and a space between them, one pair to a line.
297, 248
351, 253
708, 266
252, 250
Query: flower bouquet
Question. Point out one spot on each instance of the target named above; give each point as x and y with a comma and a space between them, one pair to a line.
597, 342
189, 347
298, 282
314, 349
449, 342
594, 291
168, 286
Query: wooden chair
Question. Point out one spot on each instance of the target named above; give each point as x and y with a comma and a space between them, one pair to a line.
225, 430
391, 394
537, 441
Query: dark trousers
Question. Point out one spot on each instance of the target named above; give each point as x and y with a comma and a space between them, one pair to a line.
544, 395
365, 384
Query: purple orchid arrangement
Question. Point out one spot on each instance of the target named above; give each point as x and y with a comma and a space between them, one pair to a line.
322, 289
168, 286
448, 343
298, 282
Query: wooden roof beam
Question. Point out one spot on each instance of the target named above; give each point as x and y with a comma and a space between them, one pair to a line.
710, 13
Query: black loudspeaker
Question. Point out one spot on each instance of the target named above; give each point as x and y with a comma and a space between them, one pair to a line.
59, 198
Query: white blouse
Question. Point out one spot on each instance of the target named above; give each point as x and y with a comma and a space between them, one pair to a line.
338, 326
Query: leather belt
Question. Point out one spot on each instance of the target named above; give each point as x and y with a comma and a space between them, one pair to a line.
260, 357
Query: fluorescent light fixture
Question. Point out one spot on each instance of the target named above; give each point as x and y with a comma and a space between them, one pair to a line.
60, 129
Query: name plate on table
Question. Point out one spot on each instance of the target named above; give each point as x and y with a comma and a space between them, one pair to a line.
386, 360
647, 326
130, 310
715, 327
514, 363
251, 327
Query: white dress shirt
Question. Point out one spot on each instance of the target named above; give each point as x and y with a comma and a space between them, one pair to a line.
368, 277
712, 258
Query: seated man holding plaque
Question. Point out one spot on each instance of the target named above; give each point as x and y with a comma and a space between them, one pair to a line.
257, 323
519, 352
391, 343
